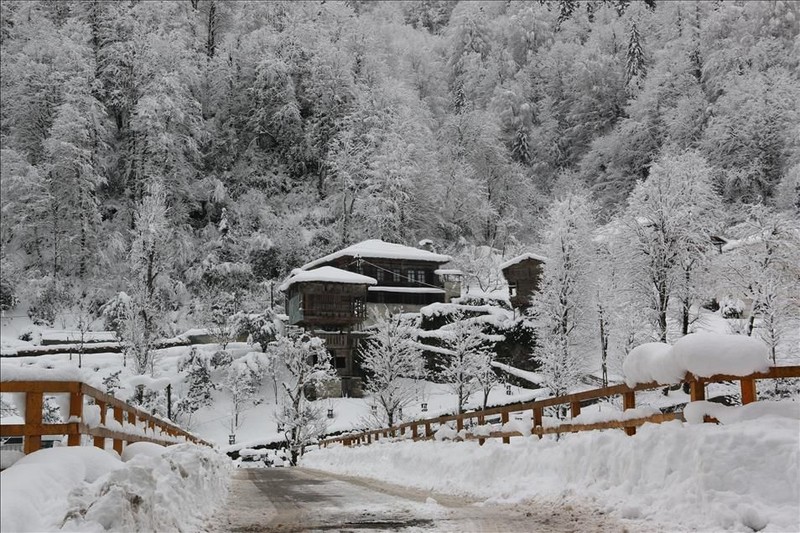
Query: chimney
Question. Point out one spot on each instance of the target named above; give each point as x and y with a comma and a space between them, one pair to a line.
427, 244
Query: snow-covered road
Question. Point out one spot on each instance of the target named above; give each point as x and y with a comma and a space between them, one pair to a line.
299, 499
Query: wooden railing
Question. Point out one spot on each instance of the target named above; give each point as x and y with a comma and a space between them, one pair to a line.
129, 424
425, 429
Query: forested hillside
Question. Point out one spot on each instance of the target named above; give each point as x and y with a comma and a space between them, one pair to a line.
189, 152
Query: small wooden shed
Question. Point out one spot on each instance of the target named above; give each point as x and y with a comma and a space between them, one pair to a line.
523, 274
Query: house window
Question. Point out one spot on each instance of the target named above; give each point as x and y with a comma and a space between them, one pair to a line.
512, 289
396, 276
412, 276
379, 275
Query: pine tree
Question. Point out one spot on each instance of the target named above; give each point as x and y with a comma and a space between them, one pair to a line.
635, 66
198, 382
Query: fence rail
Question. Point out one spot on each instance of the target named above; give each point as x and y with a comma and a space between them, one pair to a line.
129, 424
425, 429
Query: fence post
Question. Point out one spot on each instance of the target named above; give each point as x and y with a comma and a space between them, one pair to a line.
75, 410
100, 442
459, 423
504, 421
574, 409
33, 418
749, 394
480, 423
428, 432
118, 418
629, 402
537, 418
132, 418
698, 390
414, 433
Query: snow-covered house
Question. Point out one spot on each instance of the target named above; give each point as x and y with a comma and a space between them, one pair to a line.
334, 296
523, 274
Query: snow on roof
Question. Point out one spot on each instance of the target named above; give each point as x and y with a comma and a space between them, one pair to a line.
527, 375
329, 274
415, 290
448, 272
378, 249
521, 258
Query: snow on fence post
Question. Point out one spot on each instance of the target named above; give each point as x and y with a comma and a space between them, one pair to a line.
504, 421
76, 413
629, 402
537, 419
749, 394
100, 442
33, 419
118, 418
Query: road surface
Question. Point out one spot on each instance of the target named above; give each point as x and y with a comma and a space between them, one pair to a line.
298, 499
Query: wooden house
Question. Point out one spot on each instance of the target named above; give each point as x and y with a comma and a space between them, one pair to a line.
334, 296
523, 274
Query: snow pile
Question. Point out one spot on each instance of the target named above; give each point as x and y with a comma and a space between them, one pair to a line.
11, 372
326, 274
88, 489
652, 361
702, 354
705, 477
706, 354
695, 411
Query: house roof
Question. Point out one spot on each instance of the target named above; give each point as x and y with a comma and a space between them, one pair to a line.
521, 258
326, 274
378, 249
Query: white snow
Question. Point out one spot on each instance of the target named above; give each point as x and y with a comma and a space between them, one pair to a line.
731, 414
326, 274
10, 372
520, 258
448, 272
415, 290
706, 354
703, 354
378, 249
702, 477
88, 489
527, 375
652, 361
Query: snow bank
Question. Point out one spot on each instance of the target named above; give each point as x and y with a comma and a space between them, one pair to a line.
706, 477
702, 354
88, 489
695, 411
527, 375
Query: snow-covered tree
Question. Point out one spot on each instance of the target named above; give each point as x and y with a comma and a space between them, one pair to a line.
392, 360
562, 309
305, 363
763, 266
199, 385
669, 222
149, 284
242, 383
465, 357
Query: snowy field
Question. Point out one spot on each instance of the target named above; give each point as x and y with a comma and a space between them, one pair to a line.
149, 488
737, 477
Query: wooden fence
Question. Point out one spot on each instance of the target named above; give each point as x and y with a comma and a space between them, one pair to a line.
129, 423
425, 429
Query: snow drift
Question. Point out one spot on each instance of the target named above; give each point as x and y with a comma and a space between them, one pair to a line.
88, 489
741, 476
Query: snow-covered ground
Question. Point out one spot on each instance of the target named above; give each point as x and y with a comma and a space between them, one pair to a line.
150, 488
740, 477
